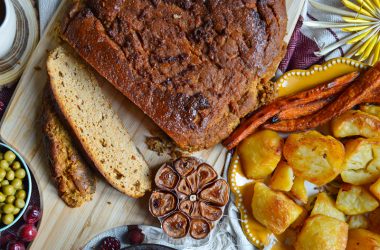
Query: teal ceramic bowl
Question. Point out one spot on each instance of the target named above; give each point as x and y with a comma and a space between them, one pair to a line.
27, 184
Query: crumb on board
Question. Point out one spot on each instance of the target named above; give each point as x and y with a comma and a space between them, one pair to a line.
109, 203
164, 145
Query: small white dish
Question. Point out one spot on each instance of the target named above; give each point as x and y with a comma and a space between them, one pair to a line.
7, 28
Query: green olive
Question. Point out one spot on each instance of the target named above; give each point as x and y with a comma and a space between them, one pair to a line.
10, 175
2, 197
7, 219
1, 156
10, 199
9, 156
20, 173
8, 190
8, 208
4, 164
4, 183
20, 194
16, 210
2, 174
16, 165
16, 183
19, 203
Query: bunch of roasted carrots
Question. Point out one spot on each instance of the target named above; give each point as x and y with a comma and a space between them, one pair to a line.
312, 108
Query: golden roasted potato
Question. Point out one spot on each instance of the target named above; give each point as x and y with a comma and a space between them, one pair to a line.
260, 153
371, 109
356, 122
301, 219
374, 220
358, 221
375, 189
282, 178
314, 157
273, 209
362, 161
326, 206
361, 239
299, 190
354, 200
322, 232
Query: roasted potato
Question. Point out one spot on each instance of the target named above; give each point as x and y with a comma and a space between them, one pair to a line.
260, 153
299, 190
361, 239
356, 122
371, 109
353, 200
375, 189
322, 232
314, 157
358, 221
326, 206
282, 178
362, 161
301, 219
273, 209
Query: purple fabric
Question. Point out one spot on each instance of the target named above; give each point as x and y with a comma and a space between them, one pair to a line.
300, 53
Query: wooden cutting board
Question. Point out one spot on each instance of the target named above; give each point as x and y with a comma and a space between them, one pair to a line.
63, 227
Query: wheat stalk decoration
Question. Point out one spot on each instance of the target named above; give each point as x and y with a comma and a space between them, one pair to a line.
362, 22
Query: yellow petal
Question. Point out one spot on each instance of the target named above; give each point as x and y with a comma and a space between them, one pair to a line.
356, 8
377, 2
376, 53
371, 44
354, 19
367, 5
358, 38
353, 29
365, 45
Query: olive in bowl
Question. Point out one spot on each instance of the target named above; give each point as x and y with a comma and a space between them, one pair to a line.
15, 186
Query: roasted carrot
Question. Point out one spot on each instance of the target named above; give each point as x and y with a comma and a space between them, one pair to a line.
375, 98
359, 91
248, 126
303, 110
321, 91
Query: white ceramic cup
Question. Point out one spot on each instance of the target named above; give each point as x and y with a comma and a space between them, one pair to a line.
7, 28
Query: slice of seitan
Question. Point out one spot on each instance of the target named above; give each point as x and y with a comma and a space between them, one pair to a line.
97, 127
75, 181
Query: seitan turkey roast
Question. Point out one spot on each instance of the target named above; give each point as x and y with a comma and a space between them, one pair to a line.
194, 67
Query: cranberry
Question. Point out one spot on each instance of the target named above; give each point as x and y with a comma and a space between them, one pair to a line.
32, 214
27, 232
110, 243
5, 239
134, 235
14, 245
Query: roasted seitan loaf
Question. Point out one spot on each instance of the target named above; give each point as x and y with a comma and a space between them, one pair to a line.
195, 67
74, 179
77, 93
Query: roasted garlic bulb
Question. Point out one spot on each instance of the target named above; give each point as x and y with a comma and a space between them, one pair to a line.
189, 199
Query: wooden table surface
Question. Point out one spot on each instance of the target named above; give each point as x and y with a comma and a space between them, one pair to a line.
63, 227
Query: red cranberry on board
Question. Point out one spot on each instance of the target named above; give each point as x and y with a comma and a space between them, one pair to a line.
15, 245
27, 232
32, 214
5, 239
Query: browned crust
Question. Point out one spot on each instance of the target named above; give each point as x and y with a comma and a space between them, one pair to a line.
85, 30
75, 181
